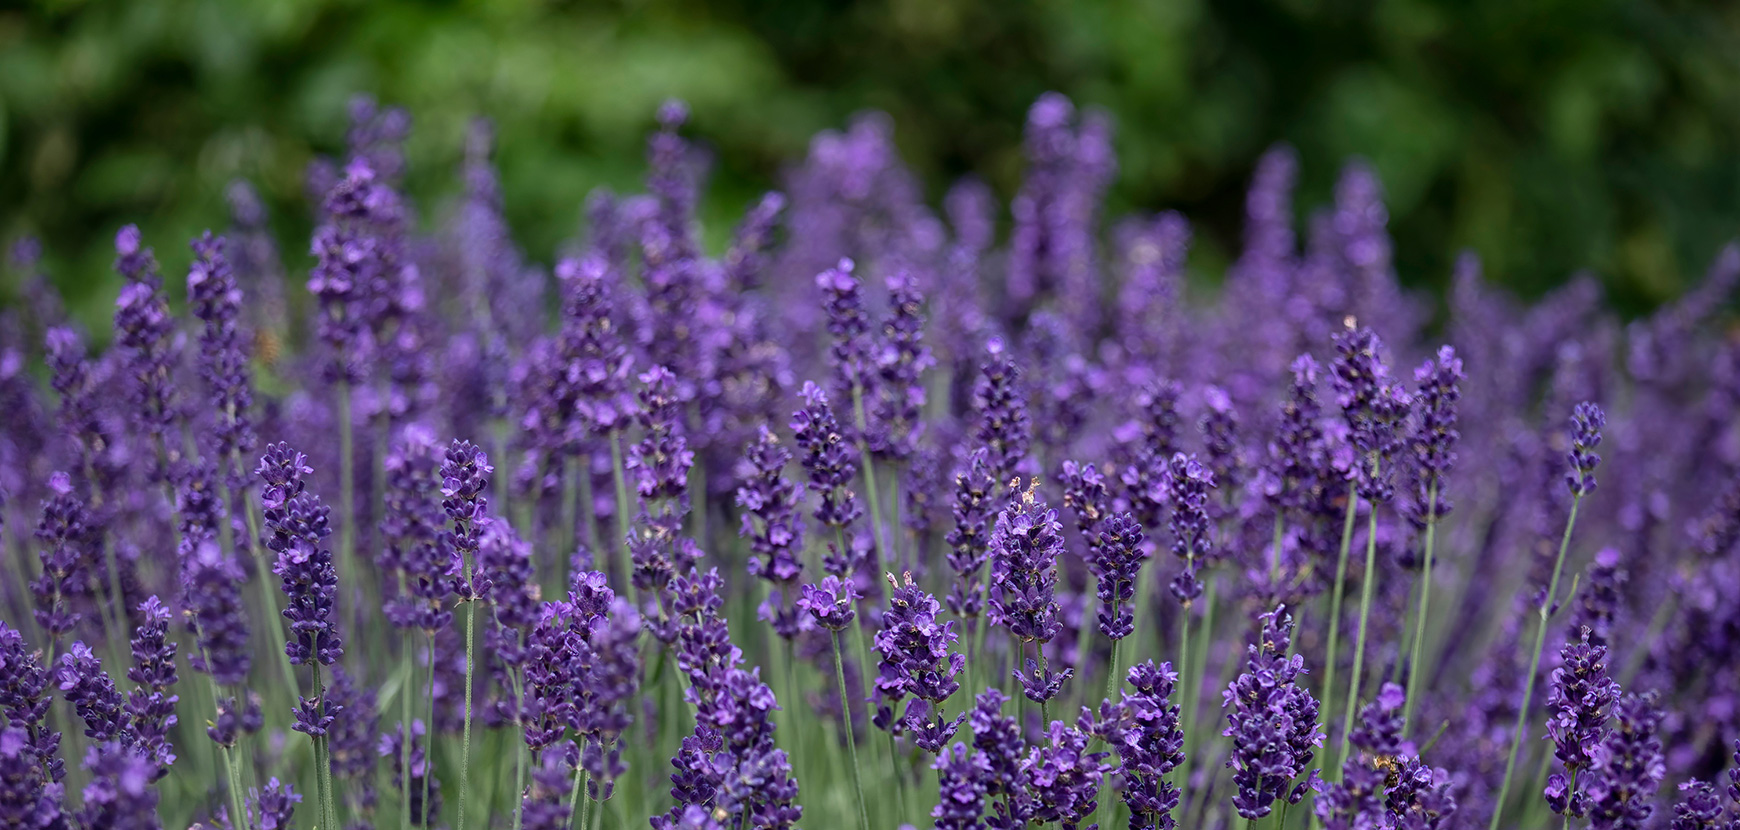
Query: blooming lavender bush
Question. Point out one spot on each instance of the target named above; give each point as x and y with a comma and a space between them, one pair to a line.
868, 521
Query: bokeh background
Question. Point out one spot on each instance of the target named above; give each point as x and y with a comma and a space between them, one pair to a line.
1549, 136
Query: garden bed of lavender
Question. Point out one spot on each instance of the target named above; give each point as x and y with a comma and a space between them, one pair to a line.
872, 520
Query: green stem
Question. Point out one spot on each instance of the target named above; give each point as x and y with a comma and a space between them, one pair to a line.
1425, 602
869, 477
575, 802
1522, 713
1365, 587
519, 745
1335, 602
465, 740
429, 725
1184, 662
323, 758
851, 738
1275, 558
620, 482
346, 490
410, 671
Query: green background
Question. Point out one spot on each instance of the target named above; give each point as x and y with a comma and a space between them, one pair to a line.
1548, 136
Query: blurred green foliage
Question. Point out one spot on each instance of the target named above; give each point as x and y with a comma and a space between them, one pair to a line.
1548, 135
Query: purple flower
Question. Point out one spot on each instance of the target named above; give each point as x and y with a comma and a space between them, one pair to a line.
274, 806
774, 527
851, 351
66, 566
93, 694
997, 739
1149, 745
1359, 799
1602, 598
1024, 551
969, 539
216, 615
1626, 768
29, 799
1119, 557
915, 660
355, 257
1586, 424
1156, 441
1374, 408
411, 531
1434, 442
901, 359
604, 694
1700, 808
660, 464
1189, 522
827, 458
296, 525
545, 803
464, 480
352, 737
505, 561
150, 707
1579, 698
1002, 424
831, 602
1298, 455
223, 357
1220, 432
119, 796
1272, 721
25, 697
1065, 776
962, 779
144, 329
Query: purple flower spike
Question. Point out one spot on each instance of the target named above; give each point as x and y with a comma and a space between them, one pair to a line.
1149, 745
916, 661
464, 481
119, 796
962, 779
213, 585
223, 357
1272, 721
1627, 768
25, 697
831, 602
1586, 424
274, 806
997, 739
1024, 551
901, 359
969, 539
1434, 444
29, 800
1003, 426
1120, 557
1189, 523
145, 331
296, 525
827, 458
421, 772
151, 707
1374, 408
66, 564
773, 526
851, 353
1358, 800
1700, 808
1580, 697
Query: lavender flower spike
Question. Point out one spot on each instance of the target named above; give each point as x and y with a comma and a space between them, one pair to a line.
1586, 424
1579, 698
1024, 551
1150, 746
916, 661
1272, 721
296, 528
1627, 767
962, 780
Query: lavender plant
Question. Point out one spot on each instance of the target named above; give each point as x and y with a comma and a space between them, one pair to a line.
772, 538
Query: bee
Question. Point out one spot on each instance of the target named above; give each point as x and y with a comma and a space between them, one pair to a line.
1392, 768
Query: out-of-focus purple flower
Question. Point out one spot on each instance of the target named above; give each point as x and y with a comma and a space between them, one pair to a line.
1601, 599
119, 795
1298, 457
145, 330
420, 784
223, 358
997, 739
828, 460
963, 778
659, 464
915, 660
234, 717
354, 255
1190, 483
66, 565
1374, 408
1626, 768
1065, 776
774, 527
1434, 442
411, 529
607, 629
851, 351
1579, 699
1024, 550
1149, 745
352, 737
151, 707
969, 540
586, 386
1153, 253
1220, 432
1002, 426
901, 359
296, 526
1155, 439
70, 375
29, 800
215, 613
831, 602
273, 807
1586, 424
1272, 721
506, 562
